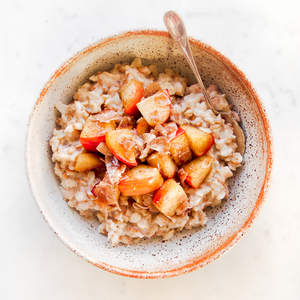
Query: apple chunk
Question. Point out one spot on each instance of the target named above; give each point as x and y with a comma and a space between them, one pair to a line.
120, 143
200, 141
88, 161
169, 197
164, 163
142, 127
131, 94
197, 170
93, 133
140, 180
156, 109
180, 148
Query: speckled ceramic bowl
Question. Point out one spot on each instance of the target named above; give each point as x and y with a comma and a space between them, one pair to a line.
190, 249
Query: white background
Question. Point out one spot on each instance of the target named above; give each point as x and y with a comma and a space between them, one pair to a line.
261, 37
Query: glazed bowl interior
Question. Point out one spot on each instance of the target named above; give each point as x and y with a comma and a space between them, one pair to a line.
190, 249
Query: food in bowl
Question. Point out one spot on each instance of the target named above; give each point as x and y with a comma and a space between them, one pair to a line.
141, 152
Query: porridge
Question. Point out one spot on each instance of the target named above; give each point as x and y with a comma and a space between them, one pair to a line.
142, 153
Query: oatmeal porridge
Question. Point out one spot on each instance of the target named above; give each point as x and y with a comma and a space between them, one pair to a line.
142, 153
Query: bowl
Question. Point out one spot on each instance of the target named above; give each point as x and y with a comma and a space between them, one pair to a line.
189, 249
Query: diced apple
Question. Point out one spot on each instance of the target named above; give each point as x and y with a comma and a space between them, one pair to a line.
169, 197
131, 94
180, 148
151, 89
140, 180
142, 127
200, 141
120, 143
164, 163
197, 170
88, 161
156, 109
93, 133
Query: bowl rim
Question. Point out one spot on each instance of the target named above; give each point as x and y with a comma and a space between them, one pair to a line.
234, 238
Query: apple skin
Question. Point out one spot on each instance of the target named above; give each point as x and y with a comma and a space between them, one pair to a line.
197, 170
140, 180
200, 141
180, 148
156, 109
93, 133
127, 156
164, 163
179, 132
131, 94
169, 197
88, 161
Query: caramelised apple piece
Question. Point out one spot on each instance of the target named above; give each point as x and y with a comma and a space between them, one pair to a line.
164, 163
88, 161
151, 89
200, 141
93, 133
140, 180
142, 127
131, 94
180, 148
156, 109
169, 197
120, 143
197, 170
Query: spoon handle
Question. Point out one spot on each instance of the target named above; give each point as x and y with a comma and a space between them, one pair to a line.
176, 29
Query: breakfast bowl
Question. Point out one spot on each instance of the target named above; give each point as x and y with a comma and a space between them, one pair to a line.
188, 249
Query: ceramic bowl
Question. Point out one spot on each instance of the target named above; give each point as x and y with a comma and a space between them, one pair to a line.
190, 249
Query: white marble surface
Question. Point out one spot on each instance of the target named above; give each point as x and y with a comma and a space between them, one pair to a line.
261, 37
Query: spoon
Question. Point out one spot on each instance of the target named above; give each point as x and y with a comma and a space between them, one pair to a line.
177, 31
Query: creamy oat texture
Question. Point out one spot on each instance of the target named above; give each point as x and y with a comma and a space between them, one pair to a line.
128, 221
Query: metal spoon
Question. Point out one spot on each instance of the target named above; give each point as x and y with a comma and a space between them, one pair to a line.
177, 31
